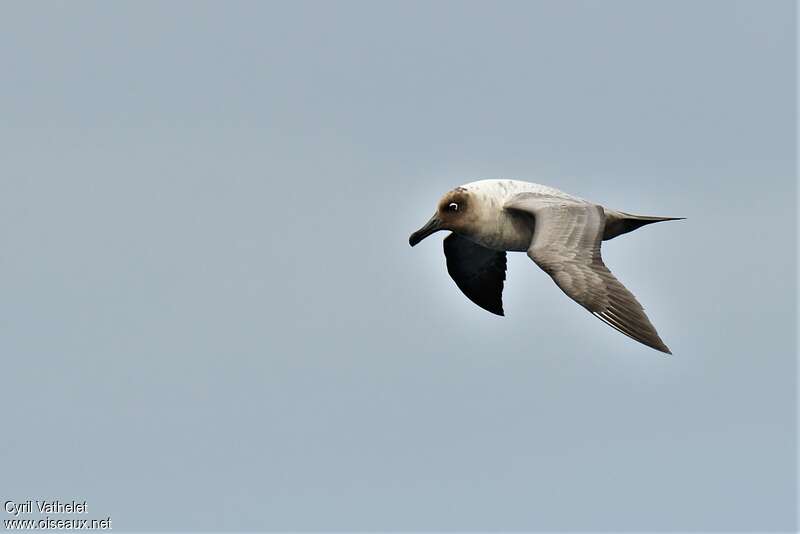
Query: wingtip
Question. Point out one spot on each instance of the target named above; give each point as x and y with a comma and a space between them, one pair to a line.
660, 347
655, 345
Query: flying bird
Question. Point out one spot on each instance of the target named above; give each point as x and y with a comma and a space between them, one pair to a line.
561, 233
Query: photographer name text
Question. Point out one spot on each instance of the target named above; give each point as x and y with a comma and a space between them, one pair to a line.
45, 507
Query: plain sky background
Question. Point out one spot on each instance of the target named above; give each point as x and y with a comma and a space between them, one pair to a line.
210, 317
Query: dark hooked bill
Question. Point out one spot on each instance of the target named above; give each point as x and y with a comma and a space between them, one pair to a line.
430, 227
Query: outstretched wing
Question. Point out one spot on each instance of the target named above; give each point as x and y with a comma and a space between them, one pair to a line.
479, 272
566, 245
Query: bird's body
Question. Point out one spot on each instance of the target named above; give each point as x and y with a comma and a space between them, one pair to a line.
498, 228
560, 232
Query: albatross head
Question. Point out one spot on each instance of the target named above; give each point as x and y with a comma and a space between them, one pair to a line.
455, 212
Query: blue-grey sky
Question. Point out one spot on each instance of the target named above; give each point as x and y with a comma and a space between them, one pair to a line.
210, 317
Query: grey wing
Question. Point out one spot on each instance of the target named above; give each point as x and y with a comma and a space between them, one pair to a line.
566, 245
478, 272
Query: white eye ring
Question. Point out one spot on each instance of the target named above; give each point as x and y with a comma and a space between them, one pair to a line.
452, 206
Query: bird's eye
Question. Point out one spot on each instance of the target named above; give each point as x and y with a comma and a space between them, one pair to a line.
452, 207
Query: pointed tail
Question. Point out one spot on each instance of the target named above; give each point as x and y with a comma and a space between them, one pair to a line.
619, 222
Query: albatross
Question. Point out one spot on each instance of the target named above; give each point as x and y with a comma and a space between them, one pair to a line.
561, 233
